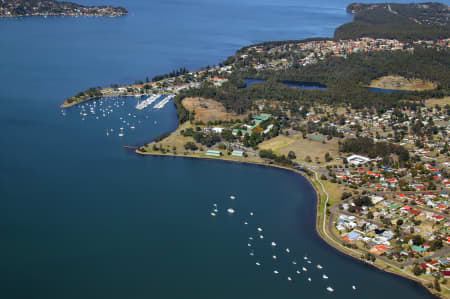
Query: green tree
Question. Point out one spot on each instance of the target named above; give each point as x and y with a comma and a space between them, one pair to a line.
291, 155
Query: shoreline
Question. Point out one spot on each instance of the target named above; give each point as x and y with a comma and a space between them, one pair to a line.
318, 193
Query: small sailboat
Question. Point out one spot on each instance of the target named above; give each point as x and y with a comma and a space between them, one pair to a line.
298, 272
353, 287
319, 267
216, 210
120, 134
294, 263
245, 222
309, 279
330, 289
249, 245
232, 197
304, 269
289, 278
261, 237
324, 276
305, 257
309, 262
260, 229
213, 214
258, 264
273, 244
276, 272
274, 257
288, 250
230, 211
251, 213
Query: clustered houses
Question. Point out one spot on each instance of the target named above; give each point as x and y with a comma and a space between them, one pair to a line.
39, 8
397, 211
314, 51
399, 227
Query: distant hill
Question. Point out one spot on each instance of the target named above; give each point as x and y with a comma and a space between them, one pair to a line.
401, 21
16, 8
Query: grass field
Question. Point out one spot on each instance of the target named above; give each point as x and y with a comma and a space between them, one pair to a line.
441, 102
302, 147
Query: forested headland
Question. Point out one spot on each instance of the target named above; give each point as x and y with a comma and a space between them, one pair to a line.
346, 78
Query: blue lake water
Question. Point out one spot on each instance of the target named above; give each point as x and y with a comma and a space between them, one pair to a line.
385, 90
82, 217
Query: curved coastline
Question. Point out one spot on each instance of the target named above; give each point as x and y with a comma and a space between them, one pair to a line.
318, 193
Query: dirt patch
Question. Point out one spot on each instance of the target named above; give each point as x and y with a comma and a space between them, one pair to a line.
209, 110
441, 102
401, 83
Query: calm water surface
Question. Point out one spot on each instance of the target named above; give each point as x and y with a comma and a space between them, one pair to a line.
81, 217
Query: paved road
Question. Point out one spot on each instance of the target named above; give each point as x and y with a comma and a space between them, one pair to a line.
440, 253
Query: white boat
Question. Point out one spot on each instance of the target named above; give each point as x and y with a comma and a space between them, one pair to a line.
274, 257
298, 272
251, 213
330, 289
132, 127
260, 229
258, 264
353, 287
309, 262
250, 238
245, 222
304, 269
232, 197
287, 250
230, 210
319, 267
309, 279
273, 244
120, 134
275, 272
294, 263
216, 210
289, 278
324, 276
213, 214
261, 237
305, 257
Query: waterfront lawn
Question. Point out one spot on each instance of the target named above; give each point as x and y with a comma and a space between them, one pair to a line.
302, 147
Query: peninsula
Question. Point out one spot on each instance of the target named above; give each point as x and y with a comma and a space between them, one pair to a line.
20, 8
377, 158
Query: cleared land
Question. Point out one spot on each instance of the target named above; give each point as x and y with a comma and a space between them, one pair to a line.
209, 110
302, 147
401, 83
441, 102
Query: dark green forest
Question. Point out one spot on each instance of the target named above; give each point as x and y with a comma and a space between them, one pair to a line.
345, 79
404, 22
